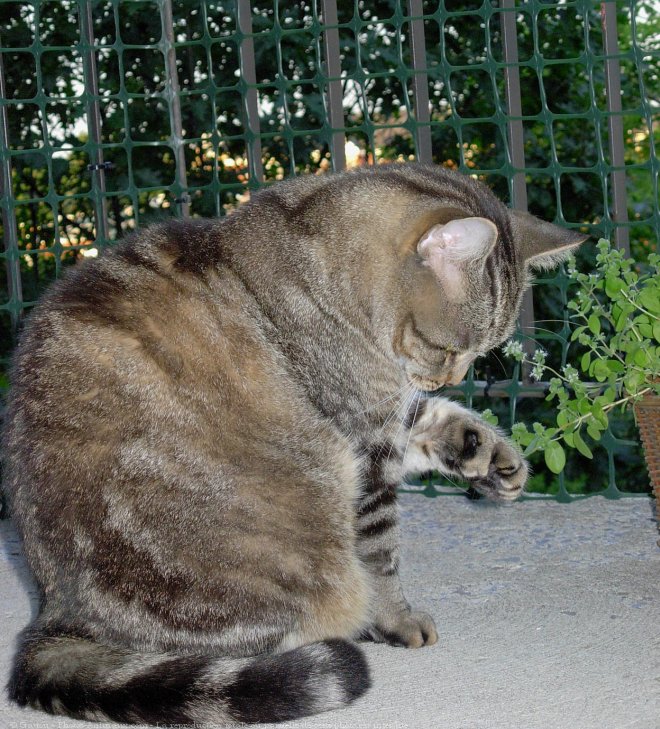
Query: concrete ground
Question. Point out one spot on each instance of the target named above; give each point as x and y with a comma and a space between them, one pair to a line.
548, 615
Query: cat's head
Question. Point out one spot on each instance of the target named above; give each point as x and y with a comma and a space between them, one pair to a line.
465, 277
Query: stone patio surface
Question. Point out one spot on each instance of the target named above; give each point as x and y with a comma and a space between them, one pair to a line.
548, 614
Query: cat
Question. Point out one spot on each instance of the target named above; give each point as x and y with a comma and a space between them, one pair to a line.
207, 427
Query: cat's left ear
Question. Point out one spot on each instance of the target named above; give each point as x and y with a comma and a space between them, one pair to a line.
458, 241
542, 245
448, 249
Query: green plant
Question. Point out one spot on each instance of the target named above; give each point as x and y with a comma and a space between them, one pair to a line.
616, 343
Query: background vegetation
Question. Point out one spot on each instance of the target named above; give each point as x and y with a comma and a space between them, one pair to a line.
563, 99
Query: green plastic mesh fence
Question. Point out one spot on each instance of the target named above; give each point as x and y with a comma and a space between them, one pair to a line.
114, 113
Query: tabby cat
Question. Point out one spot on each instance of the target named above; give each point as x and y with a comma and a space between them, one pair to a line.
206, 431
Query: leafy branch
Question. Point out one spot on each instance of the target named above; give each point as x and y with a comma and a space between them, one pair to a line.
616, 320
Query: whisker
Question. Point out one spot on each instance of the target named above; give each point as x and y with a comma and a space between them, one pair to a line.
547, 321
446, 477
454, 483
549, 331
410, 430
392, 420
397, 406
499, 361
393, 416
390, 397
412, 396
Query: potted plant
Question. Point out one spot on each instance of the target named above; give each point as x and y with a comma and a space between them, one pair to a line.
615, 345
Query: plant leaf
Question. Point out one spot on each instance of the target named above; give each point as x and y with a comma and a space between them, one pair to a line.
613, 284
593, 431
555, 457
581, 446
649, 298
610, 395
490, 417
577, 333
601, 370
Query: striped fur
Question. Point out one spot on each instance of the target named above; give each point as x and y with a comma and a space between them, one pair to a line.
434, 435
207, 426
73, 676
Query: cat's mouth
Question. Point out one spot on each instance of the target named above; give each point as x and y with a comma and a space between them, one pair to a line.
431, 384
426, 384
452, 376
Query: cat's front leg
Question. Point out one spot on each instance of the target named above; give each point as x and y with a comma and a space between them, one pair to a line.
457, 442
377, 526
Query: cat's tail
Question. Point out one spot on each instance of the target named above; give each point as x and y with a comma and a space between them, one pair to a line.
77, 677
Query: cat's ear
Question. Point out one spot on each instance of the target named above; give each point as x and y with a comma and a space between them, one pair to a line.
460, 240
448, 247
542, 245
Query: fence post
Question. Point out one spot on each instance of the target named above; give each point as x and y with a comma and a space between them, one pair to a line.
333, 96
174, 107
250, 99
420, 82
12, 256
517, 156
98, 166
615, 125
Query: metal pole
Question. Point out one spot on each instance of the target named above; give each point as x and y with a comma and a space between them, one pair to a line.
334, 94
514, 106
420, 87
12, 260
615, 125
517, 156
98, 166
174, 107
251, 102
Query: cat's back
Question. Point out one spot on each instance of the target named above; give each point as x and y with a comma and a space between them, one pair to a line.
136, 290
133, 345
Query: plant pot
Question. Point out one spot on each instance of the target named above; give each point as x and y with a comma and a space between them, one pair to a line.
647, 412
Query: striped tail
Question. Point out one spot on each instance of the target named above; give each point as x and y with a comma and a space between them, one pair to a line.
72, 676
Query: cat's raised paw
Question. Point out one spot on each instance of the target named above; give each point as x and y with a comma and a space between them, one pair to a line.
476, 452
507, 473
409, 629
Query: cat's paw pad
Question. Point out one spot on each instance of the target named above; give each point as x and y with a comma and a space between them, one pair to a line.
507, 473
478, 453
411, 629
473, 448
